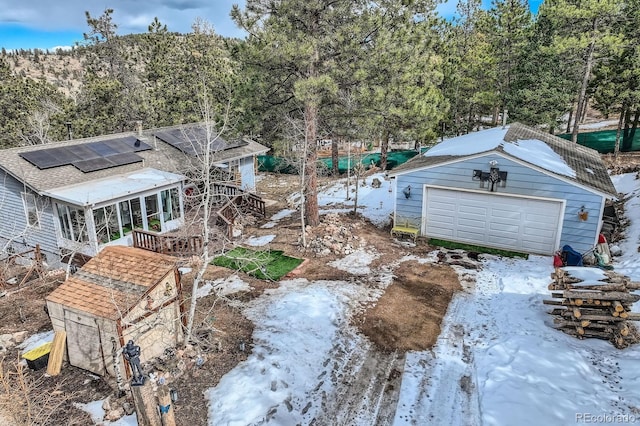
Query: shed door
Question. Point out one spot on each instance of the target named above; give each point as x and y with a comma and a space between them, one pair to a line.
528, 225
83, 343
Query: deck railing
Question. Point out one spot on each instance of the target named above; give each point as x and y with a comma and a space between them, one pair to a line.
167, 244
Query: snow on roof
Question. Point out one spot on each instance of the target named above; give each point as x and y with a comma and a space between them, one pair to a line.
469, 144
113, 187
532, 151
539, 153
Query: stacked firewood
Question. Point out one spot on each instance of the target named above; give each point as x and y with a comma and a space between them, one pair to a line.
599, 309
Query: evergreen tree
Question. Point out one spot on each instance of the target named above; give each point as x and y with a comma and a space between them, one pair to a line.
399, 77
302, 41
582, 31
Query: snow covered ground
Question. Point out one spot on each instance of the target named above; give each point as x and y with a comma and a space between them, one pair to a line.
497, 361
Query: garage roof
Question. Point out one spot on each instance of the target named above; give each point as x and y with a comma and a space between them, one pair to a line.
555, 155
113, 282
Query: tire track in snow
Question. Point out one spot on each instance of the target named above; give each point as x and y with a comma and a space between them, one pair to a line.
365, 385
440, 387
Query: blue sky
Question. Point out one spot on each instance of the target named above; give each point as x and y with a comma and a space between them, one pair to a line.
48, 24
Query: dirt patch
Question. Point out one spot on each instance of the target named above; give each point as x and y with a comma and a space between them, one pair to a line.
408, 315
23, 307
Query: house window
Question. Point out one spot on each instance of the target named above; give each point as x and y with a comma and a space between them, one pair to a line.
131, 215
106, 221
234, 170
153, 217
31, 209
72, 223
170, 204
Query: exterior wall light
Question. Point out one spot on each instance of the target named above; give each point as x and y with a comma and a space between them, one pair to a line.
407, 191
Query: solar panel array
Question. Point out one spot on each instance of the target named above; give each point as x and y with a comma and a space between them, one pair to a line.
91, 156
193, 140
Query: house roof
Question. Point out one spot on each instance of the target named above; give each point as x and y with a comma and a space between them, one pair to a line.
162, 156
555, 155
113, 187
113, 282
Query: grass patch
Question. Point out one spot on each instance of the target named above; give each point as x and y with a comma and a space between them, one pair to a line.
263, 264
479, 249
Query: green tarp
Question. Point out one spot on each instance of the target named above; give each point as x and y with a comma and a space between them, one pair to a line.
603, 141
268, 163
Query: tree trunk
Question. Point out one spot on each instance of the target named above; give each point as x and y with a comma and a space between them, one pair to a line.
616, 146
585, 82
311, 187
335, 172
569, 120
629, 130
384, 149
610, 295
598, 287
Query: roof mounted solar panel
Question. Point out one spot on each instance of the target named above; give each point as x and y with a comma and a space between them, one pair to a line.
102, 149
90, 156
82, 152
107, 162
127, 144
43, 159
64, 155
93, 164
193, 140
124, 158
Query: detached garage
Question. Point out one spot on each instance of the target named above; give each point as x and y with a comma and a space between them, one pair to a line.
513, 188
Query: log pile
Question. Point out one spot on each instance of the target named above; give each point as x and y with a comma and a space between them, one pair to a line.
598, 309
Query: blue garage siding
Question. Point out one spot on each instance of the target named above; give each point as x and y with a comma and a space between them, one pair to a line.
14, 230
521, 180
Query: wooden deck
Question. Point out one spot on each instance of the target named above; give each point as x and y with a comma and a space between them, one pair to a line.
233, 202
167, 244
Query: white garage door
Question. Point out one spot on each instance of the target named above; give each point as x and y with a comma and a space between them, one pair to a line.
493, 220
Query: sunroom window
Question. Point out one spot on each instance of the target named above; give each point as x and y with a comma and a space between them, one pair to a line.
170, 204
131, 215
106, 221
153, 217
72, 223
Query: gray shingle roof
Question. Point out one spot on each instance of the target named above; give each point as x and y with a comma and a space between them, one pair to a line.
586, 162
162, 157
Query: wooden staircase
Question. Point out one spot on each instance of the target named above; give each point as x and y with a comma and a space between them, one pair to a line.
236, 202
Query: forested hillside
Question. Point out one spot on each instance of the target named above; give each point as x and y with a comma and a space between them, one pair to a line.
393, 70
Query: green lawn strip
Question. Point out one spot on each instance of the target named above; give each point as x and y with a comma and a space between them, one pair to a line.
479, 249
263, 264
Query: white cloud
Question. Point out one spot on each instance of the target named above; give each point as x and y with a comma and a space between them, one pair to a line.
69, 15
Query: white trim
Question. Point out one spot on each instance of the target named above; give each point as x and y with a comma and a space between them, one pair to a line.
24, 196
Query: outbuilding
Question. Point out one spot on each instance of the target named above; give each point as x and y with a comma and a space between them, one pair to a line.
513, 188
122, 294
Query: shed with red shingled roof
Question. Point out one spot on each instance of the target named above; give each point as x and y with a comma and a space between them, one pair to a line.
122, 294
